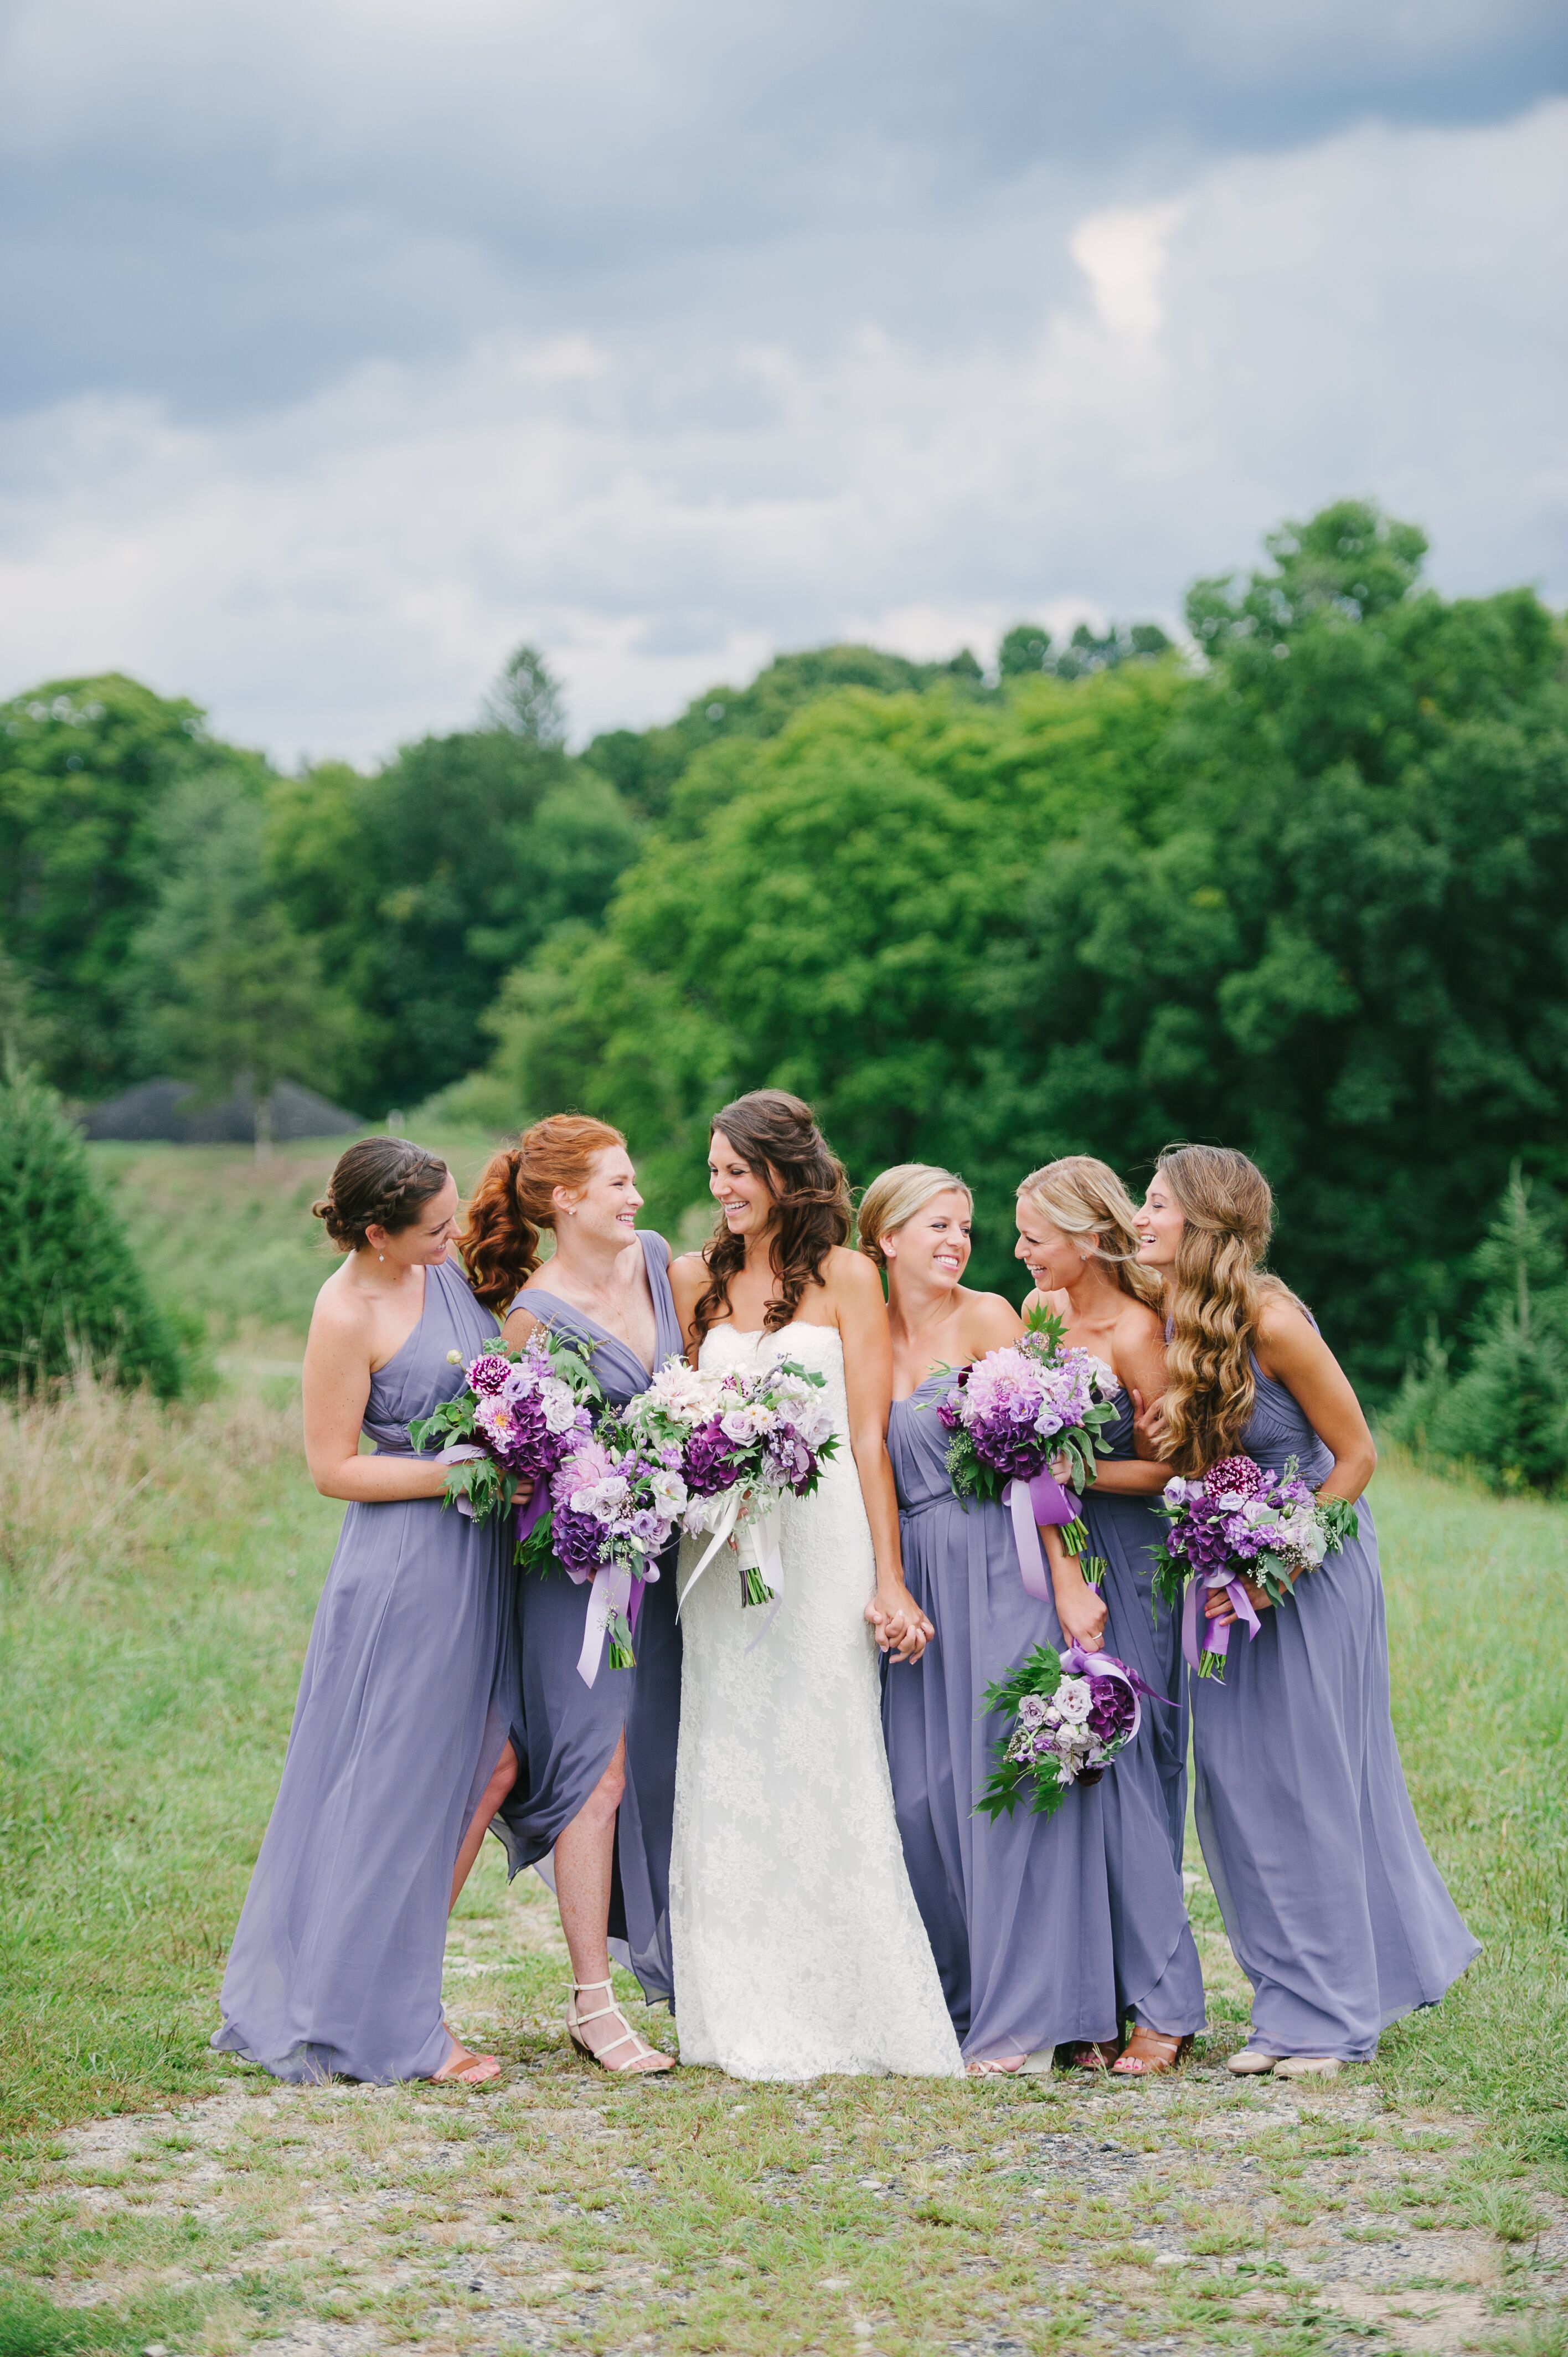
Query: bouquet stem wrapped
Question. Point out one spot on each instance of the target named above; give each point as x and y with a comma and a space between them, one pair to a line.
1241, 1523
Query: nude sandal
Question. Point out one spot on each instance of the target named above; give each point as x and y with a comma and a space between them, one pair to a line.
1150, 2054
637, 2063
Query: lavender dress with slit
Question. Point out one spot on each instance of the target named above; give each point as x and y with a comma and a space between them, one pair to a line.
1336, 1912
571, 1730
408, 1696
1018, 1910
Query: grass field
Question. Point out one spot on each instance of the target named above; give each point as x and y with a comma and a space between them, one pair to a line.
158, 1569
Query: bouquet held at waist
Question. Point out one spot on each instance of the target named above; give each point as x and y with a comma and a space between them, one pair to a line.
604, 1504
1071, 1713
1020, 1416
745, 1439
1239, 1523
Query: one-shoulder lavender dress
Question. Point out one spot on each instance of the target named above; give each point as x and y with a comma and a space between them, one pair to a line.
1336, 1912
1018, 1910
571, 1729
1159, 1981
408, 1697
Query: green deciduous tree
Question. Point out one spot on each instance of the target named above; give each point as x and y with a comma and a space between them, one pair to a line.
85, 765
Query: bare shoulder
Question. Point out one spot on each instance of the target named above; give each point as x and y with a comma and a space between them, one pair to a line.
990, 1323
689, 1272
1283, 1323
1139, 1324
850, 1276
340, 1313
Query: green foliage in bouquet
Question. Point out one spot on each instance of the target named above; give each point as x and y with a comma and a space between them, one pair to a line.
1040, 1673
71, 1286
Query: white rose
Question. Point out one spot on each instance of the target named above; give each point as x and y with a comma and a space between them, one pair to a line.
560, 1407
1073, 1700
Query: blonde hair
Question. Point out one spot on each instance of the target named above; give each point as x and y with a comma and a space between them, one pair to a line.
1217, 1289
894, 1196
1083, 1196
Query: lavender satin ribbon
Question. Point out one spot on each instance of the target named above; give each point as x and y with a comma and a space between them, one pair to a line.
1043, 1499
527, 1515
1216, 1640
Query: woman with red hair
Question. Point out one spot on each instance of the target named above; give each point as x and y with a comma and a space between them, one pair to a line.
595, 1792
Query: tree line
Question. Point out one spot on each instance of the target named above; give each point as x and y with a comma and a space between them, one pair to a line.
1302, 889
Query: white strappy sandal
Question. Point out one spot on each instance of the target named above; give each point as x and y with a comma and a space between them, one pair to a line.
637, 2062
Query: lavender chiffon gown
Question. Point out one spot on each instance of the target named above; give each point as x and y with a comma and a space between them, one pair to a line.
1336, 1912
570, 1729
408, 1696
1159, 1981
1018, 1910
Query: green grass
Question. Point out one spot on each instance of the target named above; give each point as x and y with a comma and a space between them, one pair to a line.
158, 1569
230, 1240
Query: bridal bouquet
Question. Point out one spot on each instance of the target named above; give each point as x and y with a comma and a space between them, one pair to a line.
1018, 1414
1073, 1713
518, 1415
1239, 1523
614, 1507
746, 1439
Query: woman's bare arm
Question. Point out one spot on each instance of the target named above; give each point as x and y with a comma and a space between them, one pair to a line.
688, 1283
337, 1387
1140, 1353
856, 1295
1294, 1353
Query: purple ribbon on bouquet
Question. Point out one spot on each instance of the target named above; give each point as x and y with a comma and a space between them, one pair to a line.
1030, 1504
1216, 1640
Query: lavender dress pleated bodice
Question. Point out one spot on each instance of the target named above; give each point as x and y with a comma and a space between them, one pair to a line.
1018, 1910
571, 1729
1159, 1981
408, 1696
1334, 1910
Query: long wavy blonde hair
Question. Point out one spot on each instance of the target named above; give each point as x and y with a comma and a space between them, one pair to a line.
1217, 1291
1083, 1196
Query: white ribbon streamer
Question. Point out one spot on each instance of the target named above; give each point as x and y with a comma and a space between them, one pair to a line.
766, 1533
611, 1594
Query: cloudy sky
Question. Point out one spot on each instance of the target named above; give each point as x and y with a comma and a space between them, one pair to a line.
348, 342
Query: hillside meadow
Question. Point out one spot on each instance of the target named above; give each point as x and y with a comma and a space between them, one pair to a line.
159, 1571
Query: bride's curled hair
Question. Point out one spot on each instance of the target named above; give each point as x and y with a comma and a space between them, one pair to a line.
777, 1136
1083, 1196
1218, 1289
513, 1200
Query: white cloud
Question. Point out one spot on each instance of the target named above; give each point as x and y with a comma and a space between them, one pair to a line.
662, 502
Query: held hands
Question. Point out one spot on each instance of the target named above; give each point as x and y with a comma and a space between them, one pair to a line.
900, 1626
1148, 1424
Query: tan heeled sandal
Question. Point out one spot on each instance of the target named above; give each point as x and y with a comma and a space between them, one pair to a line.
1150, 2054
645, 2061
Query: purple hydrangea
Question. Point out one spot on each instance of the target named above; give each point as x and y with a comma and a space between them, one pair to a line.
709, 1460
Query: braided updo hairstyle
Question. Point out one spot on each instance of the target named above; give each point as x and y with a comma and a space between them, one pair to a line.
380, 1182
777, 1136
514, 1200
1214, 1301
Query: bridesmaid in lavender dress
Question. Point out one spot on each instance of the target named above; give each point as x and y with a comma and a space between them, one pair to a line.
406, 1732
1337, 1913
1017, 1910
1076, 1234
595, 1794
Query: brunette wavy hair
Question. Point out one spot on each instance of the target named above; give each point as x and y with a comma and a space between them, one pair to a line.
1083, 1196
379, 1182
777, 1136
512, 1202
1214, 1300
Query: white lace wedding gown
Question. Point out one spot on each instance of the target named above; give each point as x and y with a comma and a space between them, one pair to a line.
798, 1945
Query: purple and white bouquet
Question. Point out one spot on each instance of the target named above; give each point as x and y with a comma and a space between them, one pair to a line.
614, 1507
747, 1438
1238, 1522
1019, 1416
519, 1414
1071, 1713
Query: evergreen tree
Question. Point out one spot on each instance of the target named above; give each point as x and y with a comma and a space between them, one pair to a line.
70, 1285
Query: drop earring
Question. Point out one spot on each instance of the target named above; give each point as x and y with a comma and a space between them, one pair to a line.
382, 1256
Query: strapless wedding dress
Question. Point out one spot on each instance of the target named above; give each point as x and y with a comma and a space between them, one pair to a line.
798, 1945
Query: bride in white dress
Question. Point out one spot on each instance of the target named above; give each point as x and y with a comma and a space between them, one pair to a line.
798, 1945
